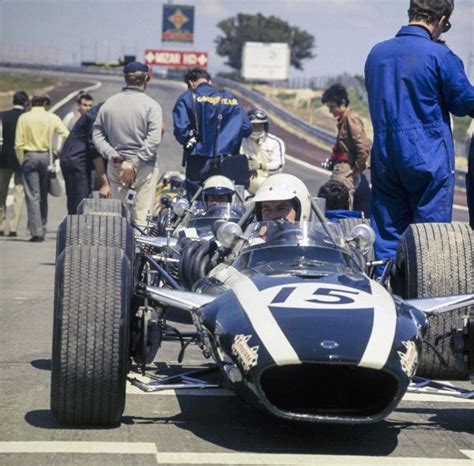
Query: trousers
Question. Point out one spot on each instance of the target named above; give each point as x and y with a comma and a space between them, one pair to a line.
36, 182
145, 188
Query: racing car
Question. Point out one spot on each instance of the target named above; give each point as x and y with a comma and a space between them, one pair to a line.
290, 317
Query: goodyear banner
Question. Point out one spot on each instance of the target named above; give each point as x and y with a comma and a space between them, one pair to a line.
178, 23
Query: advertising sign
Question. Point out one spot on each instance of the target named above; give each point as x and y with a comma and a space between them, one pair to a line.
178, 23
175, 58
265, 61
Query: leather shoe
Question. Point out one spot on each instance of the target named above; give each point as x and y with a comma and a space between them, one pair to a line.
37, 239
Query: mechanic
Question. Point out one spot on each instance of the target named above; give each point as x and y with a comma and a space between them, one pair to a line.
210, 124
78, 157
282, 196
337, 201
218, 189
413, 83
351, 152
266, 152
127, 132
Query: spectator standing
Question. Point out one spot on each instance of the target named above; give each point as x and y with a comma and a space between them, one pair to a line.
127, 132
9, 166
84, 103
78, 156
351, 152
266, 152
413, 83
34, 133
210, 125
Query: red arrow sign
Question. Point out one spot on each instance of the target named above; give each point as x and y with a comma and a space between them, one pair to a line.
176, 58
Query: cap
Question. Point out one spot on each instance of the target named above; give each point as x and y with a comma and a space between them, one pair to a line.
135, 67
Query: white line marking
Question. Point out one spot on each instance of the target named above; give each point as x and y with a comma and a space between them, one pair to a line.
468, 453
428, 397
297, 459
264, 324
384, 323
133, 448
328, 174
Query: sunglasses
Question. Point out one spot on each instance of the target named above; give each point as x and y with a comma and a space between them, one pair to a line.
446, 26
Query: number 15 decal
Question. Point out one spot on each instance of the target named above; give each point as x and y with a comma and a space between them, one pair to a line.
328, 296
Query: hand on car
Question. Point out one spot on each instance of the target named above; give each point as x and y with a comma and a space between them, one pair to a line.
104, 191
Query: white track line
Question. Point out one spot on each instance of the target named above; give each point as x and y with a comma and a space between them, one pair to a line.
122, 448
148, 448
326, 173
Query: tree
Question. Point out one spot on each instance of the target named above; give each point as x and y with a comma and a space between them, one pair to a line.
258, 28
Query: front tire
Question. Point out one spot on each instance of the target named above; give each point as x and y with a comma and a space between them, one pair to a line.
437, 259
90, 335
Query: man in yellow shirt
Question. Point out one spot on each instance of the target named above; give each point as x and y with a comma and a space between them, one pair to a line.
33, 137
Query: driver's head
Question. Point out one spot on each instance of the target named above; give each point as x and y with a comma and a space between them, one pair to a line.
282, 196
218, 189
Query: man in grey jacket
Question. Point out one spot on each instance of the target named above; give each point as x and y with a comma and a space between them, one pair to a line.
127, 132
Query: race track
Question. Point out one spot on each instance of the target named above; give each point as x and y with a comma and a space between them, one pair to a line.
206, 427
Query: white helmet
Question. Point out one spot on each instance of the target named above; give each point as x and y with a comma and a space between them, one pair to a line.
283, 187
218, 185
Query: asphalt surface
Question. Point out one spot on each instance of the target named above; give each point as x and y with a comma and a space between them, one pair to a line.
209, 427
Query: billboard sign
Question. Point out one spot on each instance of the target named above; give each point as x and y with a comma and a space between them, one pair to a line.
176, 58
265, 61
178, 23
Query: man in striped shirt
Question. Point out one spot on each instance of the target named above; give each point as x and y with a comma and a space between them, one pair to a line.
266, 152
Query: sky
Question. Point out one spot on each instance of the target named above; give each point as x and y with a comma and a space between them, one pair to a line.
68, 31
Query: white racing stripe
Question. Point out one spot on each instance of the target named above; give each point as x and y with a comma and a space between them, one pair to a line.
265, 325
383, 329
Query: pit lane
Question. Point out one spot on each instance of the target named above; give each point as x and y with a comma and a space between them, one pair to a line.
168, 428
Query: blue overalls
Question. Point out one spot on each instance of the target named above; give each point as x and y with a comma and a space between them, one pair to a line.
413, 83
221, 124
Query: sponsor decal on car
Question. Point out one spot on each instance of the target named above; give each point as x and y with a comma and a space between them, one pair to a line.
246, 355
409, 358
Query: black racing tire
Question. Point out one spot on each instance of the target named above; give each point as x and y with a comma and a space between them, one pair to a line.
347, 224
96, 230
90, 336
110, 207
437, 259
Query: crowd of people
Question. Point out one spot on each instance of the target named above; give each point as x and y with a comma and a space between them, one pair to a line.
414, 82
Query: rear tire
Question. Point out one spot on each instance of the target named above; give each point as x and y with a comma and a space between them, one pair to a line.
90, 336
96, 230
110, 207
437, 259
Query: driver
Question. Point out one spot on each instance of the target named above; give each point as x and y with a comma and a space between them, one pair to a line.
282, 197
217, 189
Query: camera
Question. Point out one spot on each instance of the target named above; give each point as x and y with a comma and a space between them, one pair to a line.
192, 141
130, 197
328, 164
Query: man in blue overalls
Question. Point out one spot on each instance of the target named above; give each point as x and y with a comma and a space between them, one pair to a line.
414, 81
210, 125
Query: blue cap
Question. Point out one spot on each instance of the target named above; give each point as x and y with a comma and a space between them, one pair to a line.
135, 67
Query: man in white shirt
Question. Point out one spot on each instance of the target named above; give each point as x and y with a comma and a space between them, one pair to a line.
266, 152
